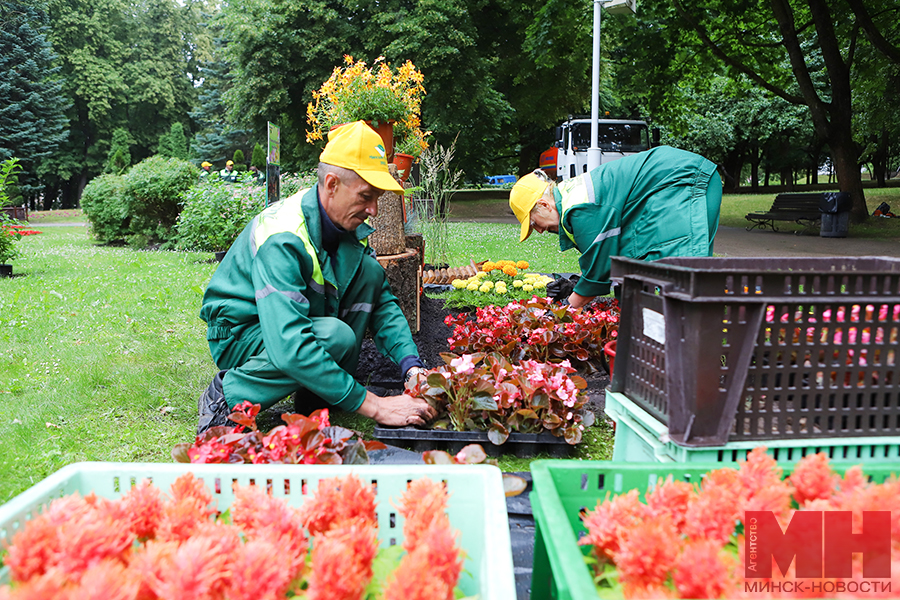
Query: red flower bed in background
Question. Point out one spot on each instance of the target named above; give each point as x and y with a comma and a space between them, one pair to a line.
537, 329
147, 546
688, 542
20, 230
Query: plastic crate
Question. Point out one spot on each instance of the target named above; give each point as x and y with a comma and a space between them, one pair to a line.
734, 349
642, 438
477, 504
562, 489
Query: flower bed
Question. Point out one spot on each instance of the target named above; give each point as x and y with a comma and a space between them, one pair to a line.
537, 329
687, 540
146, 545
496, 282
490, 393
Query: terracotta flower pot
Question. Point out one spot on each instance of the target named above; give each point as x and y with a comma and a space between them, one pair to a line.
386, 130
404, 164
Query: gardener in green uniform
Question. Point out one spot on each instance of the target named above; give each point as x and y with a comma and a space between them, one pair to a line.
288, 306
659, 203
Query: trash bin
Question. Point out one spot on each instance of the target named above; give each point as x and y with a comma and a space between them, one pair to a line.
835, 208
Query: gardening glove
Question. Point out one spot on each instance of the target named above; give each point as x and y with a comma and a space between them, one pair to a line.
562, 287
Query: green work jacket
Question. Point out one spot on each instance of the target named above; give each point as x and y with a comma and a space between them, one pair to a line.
646, 206
278, 275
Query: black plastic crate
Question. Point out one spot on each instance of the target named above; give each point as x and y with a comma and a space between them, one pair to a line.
521, 445
730, 349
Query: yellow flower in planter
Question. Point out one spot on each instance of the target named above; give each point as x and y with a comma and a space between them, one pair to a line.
528, 287
485, 288
458, 283
518, 283
472, 287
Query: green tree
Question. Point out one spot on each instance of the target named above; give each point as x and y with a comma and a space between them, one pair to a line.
173, 143
32, 104
238, 158
258, 157
119, 158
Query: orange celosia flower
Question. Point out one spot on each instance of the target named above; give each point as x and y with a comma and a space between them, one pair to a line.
607, 521
813, 478
647, 551
143, 506
188, 486
197, 569
262, 516
180, 520
703, 570
671, 499
336, 501
423, 504
713, 514
48, 586
430, 571
342, 562
260, 571
109, 580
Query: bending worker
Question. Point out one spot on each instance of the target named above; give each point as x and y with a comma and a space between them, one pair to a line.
659, 203
288, 306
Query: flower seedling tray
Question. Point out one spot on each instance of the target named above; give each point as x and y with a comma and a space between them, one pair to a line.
476, 506
563, 489
521, 445
642, 438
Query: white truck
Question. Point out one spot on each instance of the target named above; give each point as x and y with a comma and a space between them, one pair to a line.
616, 138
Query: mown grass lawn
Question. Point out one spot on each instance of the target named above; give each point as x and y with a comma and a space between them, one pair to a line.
103, 355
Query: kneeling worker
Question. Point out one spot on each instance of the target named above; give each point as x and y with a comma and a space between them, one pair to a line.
659, 203
289, 305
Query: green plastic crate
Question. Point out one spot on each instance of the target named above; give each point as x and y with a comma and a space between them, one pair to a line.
476, 507
562, 489
642, 438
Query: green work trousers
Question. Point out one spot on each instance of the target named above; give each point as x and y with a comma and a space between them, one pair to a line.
252, 376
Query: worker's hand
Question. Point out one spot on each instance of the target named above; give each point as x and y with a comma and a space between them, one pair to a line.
579, 301
396, 411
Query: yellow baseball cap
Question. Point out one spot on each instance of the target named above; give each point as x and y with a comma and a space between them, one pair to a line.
522, 199
357, 147
205, 164
229, 163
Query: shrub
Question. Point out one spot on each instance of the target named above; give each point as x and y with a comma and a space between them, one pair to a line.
152, 193
104, 206
8, 236
214, 214
258, 158
239, 164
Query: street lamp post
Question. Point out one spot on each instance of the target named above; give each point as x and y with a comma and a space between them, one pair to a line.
613, 7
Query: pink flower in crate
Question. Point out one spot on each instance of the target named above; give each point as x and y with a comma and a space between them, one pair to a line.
109, 580
430, 571
341, 565
261, 570
143, 507
198, 568
713, 514
261, 516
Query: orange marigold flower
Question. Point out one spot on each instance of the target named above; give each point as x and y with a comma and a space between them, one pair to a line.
336, 501
813, 478
609, 519
510, 270
713, 514
704, 571
341, 565
488, 267
423, 504
522, 264
671, 499
647, 552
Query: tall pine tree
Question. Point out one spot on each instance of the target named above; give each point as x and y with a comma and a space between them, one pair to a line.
32, 104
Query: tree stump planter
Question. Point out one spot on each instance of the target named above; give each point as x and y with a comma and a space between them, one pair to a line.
405, 277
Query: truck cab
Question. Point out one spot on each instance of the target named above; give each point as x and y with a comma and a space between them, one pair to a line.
616, 138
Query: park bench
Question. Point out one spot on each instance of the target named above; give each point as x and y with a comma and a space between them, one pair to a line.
797, 207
